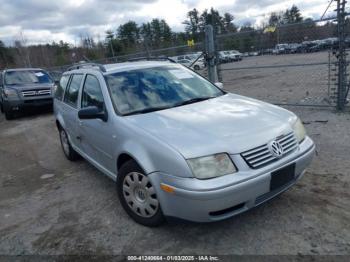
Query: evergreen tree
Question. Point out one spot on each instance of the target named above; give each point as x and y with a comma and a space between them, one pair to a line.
192, 24
292, 15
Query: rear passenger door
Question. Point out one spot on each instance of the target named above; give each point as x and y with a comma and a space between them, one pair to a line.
96, 134
70, 109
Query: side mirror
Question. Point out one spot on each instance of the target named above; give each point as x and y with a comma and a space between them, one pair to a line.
93, 112
219, 85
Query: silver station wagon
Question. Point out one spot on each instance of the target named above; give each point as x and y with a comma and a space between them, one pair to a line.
176, 144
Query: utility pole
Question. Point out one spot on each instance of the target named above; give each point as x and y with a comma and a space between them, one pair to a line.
146, 41
342, 74
210, 54
112, 49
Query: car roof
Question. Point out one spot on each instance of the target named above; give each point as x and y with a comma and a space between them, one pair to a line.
119, 67
21, 69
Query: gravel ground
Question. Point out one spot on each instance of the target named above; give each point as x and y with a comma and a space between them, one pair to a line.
51, 206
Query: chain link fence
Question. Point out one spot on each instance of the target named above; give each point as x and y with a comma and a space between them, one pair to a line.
191, 56
290, 64
298, 64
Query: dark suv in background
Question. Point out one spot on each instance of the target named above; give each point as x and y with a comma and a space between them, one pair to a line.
23, 88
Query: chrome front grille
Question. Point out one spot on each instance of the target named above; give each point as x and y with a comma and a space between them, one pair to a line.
262, 156
35, 93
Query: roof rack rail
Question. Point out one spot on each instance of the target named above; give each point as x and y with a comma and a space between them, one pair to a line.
152, 58
82, 65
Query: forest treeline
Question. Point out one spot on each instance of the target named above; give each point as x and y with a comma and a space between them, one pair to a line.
287, 26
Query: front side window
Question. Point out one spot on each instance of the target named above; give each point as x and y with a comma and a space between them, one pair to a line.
61, 87
151, 89
92, 93
27, 77
71, 95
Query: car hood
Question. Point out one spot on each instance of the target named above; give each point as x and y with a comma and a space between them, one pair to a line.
229, 123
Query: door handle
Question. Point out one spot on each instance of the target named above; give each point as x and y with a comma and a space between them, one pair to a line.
80, 123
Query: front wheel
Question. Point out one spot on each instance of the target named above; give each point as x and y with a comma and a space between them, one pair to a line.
8, 114
138, 196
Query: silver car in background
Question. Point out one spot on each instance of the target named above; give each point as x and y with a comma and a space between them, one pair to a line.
176, 144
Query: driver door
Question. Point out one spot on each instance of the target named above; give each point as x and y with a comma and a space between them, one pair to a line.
96, 134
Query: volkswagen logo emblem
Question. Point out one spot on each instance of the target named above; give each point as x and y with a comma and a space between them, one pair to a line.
276, 149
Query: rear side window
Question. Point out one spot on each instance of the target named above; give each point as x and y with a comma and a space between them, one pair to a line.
92, 93
71, 95
61, 87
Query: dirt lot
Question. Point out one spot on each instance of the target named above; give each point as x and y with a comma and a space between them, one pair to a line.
49, 205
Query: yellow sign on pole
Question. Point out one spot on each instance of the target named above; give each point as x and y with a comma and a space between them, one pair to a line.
270, 29
190, 43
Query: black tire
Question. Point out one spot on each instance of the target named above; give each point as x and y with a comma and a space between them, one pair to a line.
8, 114
68, 151
126, 169
196, 67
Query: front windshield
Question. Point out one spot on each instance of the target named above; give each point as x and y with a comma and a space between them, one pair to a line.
27, 77
155, 88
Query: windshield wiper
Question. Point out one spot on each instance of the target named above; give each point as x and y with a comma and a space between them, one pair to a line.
146, 110
194, 100
152, 109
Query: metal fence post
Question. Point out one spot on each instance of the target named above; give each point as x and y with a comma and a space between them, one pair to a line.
341, 55
210, 53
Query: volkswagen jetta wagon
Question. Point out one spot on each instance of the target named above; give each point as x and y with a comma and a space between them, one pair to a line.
176, 144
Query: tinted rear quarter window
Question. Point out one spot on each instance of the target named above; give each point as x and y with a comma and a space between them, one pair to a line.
71, 95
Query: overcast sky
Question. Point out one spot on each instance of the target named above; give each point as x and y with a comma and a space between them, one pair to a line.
43, 21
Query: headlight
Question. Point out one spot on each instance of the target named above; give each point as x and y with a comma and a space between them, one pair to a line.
10, 93
211, 166
54, 89
299, 130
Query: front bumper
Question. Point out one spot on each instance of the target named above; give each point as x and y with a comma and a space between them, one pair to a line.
223, 197
17, 105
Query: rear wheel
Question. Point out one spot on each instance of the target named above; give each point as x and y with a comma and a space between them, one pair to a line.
68, 151
137, 195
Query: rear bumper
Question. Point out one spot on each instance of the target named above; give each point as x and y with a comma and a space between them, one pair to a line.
16, 105
203, 201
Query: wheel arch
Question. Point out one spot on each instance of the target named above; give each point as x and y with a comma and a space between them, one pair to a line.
123, 158
60, 122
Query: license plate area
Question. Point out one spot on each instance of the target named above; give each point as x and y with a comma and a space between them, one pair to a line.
282, 177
